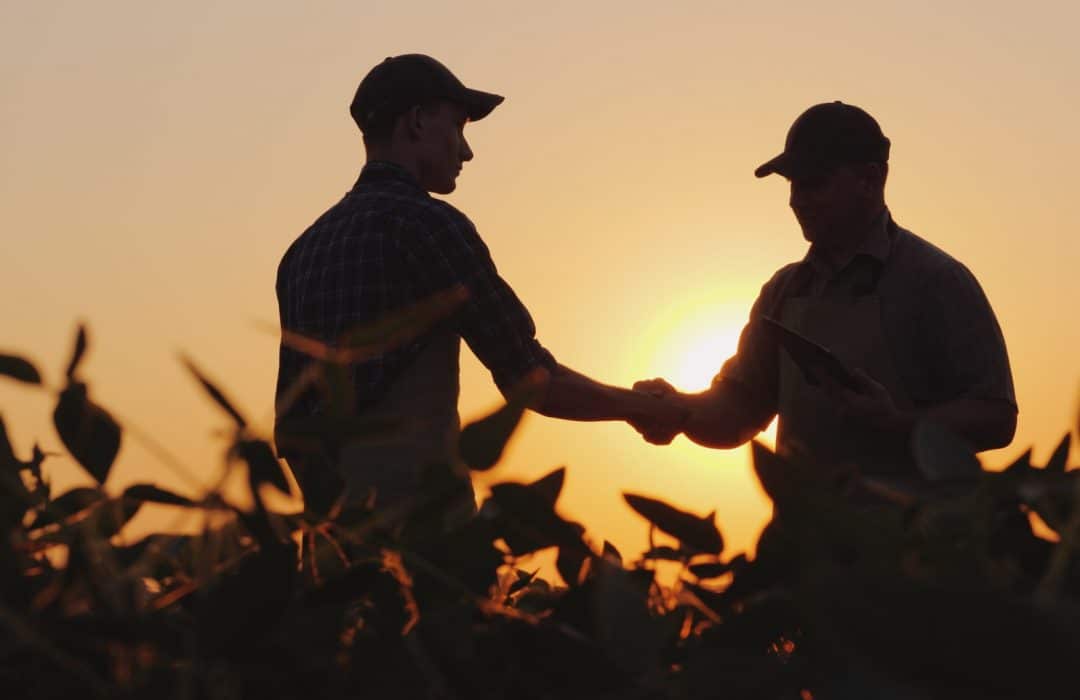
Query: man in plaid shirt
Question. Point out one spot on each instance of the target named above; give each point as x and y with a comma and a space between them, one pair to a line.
387, 246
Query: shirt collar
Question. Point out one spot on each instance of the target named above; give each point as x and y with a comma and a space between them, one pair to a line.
377, 172
876, 245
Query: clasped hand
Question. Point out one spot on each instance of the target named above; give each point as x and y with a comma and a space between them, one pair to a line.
667, 415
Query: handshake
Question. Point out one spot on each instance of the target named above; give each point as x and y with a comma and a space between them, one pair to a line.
663, 415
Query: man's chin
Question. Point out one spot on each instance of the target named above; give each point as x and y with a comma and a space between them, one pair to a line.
445, 187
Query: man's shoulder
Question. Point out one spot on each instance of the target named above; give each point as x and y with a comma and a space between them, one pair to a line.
923, 259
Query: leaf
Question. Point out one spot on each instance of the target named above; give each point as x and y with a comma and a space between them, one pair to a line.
665, 553
79, 351
572, 564
550, 485
1060, 457
114, 514
940, 454
481, 443
699, 534
389, 332
8, 460
68, 504
1022, 463
265, 467
19, 368
524, 578
716, 569
87, 430
527, 521
153, 494
214, 392
611, 553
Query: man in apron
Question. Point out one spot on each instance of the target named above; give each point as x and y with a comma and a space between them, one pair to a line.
910, 322
389, 246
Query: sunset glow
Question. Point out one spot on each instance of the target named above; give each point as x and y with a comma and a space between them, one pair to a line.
159, 158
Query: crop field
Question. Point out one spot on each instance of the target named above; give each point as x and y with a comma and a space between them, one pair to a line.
860, 588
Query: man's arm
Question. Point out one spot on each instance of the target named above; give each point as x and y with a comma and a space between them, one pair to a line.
724, 416
574, 396
985, 424
500, 331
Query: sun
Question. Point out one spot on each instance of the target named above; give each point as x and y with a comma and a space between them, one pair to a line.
691, 344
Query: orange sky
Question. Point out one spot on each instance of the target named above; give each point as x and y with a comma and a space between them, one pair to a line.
158, 158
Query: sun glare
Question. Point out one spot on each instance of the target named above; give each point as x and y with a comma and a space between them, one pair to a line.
692, 343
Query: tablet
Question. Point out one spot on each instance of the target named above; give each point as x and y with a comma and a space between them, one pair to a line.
812, 359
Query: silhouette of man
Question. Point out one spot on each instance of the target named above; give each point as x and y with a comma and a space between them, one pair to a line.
910, 321
387, 245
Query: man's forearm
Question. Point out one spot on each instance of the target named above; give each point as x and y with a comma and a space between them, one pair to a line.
985, 425
574, 396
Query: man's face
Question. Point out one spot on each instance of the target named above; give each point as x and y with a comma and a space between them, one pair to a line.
828, 203
442, 147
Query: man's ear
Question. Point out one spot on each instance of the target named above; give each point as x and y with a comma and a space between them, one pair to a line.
414, 122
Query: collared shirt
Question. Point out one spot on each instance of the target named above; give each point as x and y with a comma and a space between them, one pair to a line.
945, 341
387, 245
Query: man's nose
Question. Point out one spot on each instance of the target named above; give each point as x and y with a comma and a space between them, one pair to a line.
466, 152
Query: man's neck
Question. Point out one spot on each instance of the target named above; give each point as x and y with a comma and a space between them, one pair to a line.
390, 155
847, 243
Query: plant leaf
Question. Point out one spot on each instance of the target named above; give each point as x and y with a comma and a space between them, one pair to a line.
527, 521
699, 534
481, 443
78, 352
611, 553
154, 494
1022, 463
265, 467
215, 393
19, 368
8, 460
1059, 459
68, 504
87, 430
665, 553
716, 569
550, 485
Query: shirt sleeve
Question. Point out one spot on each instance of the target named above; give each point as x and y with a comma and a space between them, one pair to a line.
968, 356
492, 320
753, 372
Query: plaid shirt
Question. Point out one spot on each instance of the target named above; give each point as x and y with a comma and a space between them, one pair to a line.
385, 246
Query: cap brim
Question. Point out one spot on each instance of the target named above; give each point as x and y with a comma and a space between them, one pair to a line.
478, 104
777, 165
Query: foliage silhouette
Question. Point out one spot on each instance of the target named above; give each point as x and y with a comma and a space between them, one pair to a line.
859, 587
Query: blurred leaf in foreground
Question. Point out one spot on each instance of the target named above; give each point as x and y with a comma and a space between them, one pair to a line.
215, 393
700, 534
89, 433
19, 368
482, 443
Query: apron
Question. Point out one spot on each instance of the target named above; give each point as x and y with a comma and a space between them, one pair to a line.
808, 419
423, 402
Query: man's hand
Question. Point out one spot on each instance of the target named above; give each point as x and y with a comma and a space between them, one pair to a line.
666, 414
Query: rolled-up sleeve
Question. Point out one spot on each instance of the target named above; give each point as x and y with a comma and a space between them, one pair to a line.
753, 371
968, 355
492, 320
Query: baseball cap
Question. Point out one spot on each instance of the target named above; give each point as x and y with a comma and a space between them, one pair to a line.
400, 82
826, 135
